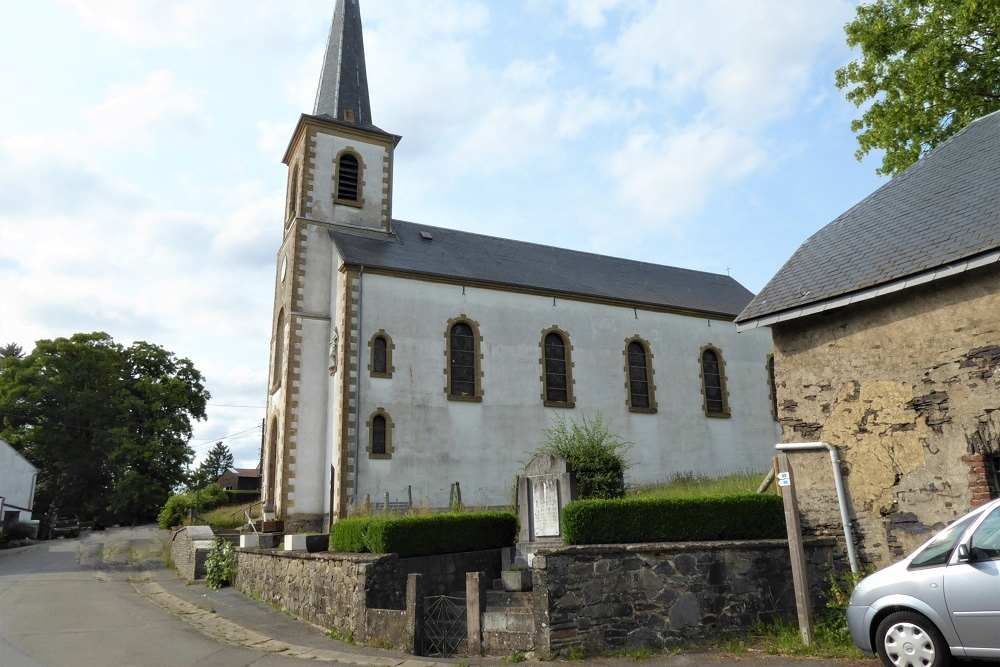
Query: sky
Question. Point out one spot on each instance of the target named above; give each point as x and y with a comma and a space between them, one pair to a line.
142, 190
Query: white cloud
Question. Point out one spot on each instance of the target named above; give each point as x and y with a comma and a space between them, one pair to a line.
667, 176
748, 63
141, 115
590, 13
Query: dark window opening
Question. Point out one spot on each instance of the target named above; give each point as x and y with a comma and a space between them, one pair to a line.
773, 386
378, 434
347, 178
713, 382
638, 376
380, 359
556, 382
463, 360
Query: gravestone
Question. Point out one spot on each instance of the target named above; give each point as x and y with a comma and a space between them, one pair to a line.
546, 487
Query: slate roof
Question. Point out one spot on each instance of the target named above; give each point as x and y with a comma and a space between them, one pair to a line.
343, 81
939, 217
464, 257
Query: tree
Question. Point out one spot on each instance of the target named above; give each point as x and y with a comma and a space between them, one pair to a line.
596, 455
218, 461
108, 426
11, 350
928, 69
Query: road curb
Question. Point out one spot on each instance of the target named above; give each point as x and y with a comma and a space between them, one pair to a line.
221, 629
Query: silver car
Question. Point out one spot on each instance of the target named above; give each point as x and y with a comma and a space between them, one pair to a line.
941, 601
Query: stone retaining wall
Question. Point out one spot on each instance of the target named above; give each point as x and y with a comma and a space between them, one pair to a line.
331, 590
189, 547
607, 597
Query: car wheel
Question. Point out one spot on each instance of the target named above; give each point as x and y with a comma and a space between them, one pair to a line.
909, 639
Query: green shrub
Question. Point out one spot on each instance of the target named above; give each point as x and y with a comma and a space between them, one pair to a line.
18, 531
736, 517
220, 564
178, 506
239, 497
349, 535
596, 454
425, 535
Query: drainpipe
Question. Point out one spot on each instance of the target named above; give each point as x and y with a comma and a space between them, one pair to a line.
841, 496
357, 397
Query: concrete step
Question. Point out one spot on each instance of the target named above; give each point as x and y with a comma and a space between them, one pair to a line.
501, 598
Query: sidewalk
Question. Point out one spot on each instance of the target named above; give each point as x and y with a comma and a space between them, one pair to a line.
231, 617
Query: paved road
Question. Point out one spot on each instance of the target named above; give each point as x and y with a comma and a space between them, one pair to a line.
68, 603
77, 602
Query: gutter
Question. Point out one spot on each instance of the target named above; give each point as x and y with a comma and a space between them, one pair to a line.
841, 496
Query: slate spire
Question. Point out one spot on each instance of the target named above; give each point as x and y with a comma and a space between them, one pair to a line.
343, 83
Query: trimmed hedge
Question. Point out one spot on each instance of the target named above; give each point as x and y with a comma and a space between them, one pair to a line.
737, 517
425, 535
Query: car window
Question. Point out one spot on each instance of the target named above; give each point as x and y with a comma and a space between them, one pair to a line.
937, 551
985, 544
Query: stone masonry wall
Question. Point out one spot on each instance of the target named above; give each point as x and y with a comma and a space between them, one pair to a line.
607, 597
189, 547
907, 386
330, 590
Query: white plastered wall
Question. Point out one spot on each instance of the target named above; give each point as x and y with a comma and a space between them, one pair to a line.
483, 445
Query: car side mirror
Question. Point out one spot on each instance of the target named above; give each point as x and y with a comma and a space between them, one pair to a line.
963, 553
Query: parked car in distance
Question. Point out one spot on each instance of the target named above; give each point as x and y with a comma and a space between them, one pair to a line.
67, 525
941, 601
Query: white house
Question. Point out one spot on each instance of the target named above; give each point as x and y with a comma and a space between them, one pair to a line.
17, 485
406, 357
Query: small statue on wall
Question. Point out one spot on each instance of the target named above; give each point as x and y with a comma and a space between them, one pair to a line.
334, 346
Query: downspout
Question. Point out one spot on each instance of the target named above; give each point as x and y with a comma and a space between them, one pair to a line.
841, 496
357, 398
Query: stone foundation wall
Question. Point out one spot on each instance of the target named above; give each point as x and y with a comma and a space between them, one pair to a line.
907, 386
607, 597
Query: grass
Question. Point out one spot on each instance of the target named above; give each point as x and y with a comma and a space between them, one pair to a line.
830, 639
226, 516
694, 485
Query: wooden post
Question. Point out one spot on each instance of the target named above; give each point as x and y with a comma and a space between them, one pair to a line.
796, 551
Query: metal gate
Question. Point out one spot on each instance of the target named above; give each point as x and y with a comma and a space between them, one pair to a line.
444, 625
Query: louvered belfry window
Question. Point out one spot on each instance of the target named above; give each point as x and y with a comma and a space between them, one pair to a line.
347, 178
379, 357
463, 360
638, 376
712, 377
556, 385
378, 434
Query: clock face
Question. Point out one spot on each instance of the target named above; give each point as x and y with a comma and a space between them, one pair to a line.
284, 268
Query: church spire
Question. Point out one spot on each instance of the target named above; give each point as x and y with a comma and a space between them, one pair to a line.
343, 83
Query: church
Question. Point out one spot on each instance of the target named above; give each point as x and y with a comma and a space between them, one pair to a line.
406, 358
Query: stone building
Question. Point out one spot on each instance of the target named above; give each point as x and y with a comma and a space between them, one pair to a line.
886, 327
407, 357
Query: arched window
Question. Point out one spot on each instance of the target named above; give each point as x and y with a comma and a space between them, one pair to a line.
463, 370
348, 179
713, 382
772, 386
379, 435
557, 370
639, 371
277, 363
380, 350
270, 471
293, 194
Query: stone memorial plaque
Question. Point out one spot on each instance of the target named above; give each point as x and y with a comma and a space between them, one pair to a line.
545, 505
